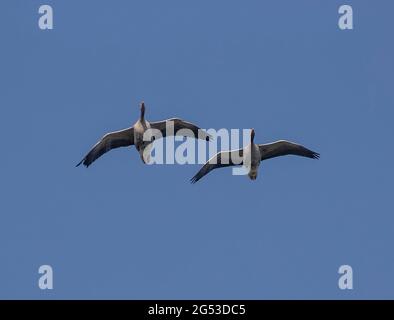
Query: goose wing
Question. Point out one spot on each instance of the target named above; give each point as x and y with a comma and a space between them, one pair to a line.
112, 140
220, 160
282, 148
179, 124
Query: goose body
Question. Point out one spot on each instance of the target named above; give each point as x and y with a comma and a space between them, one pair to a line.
252, 158
135, 136
140, 127
252, 155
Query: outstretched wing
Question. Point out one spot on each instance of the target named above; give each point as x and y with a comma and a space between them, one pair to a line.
220, 160
282, 148
112, 140
179, 124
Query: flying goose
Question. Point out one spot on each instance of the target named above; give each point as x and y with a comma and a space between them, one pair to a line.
135, 136
252, 155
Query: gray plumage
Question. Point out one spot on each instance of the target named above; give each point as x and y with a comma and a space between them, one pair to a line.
135, 136
252, 155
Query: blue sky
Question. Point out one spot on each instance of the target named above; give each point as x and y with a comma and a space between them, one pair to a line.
124, 230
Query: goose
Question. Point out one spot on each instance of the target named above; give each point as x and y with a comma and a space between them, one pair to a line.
135, 136
252, 155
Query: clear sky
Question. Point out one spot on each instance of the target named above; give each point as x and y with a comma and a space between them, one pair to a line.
124, 230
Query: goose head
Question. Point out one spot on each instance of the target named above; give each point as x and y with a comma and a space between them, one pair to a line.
252, 133
142, 108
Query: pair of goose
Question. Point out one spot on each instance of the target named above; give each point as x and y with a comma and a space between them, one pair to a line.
250, 156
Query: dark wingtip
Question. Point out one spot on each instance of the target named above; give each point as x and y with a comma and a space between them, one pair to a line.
193, 180
316, 155
83, 161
